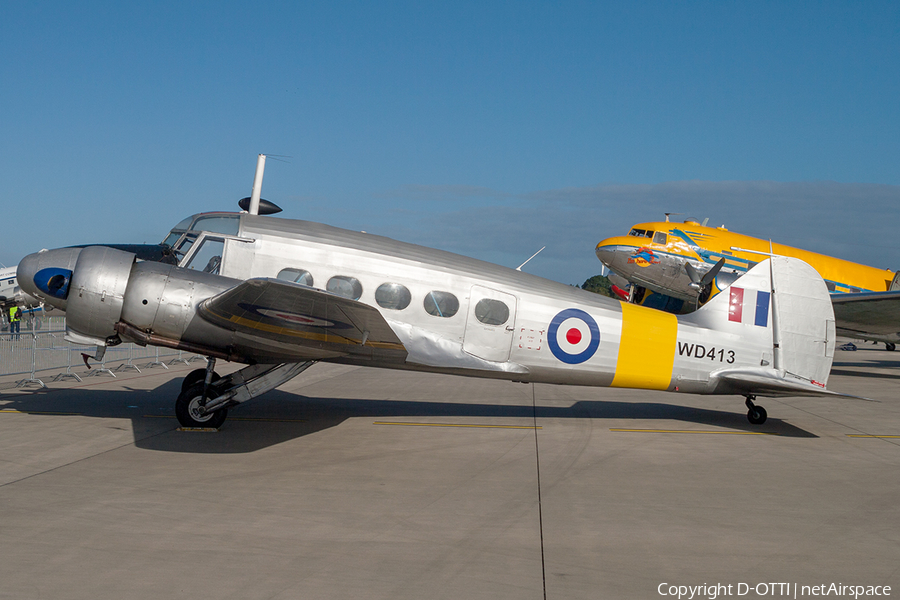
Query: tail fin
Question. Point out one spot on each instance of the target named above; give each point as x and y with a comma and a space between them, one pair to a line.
781, 304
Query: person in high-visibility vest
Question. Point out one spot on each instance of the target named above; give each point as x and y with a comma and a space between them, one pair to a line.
15, 317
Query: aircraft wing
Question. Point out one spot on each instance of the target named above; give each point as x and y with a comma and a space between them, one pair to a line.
289, 313
869, 313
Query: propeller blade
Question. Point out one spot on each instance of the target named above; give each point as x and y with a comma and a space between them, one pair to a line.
711, 274
692, 272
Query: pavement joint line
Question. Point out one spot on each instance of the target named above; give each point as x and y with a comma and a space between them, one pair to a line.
458, 425
699, 431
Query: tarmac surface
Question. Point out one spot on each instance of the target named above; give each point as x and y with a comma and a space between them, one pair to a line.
359, 483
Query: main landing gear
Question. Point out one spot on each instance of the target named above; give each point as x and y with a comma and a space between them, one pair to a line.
756, 414
206, 397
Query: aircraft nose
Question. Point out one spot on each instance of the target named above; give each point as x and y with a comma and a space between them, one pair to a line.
607, 254
46, 275
614, 254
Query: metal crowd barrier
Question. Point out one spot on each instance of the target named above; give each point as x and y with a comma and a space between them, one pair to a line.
40, 346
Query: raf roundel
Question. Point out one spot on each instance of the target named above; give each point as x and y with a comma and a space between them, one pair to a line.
573, 336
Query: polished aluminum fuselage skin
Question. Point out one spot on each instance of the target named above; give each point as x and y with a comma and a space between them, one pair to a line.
551, 332
519, 349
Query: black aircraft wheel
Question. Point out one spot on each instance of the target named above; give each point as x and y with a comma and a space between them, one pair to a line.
197, 376
890, 346
187, 409
757, 415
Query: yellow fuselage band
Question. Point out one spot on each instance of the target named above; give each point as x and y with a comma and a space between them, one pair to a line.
647, 348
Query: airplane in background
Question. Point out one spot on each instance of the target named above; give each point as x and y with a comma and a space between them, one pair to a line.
9, 289
280, 295
686, 264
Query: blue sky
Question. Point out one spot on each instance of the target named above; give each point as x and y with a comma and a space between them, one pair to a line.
485, 128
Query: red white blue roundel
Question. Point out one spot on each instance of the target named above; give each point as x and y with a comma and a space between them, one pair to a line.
573, 336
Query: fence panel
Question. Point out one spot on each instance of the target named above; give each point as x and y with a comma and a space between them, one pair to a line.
40, 346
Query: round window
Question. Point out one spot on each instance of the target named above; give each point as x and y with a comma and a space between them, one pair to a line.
348, 287
393, 296
491, 312
441, 304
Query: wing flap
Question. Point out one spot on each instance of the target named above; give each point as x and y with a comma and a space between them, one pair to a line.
289, 313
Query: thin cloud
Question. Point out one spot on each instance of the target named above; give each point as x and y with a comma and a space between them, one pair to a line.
848, 220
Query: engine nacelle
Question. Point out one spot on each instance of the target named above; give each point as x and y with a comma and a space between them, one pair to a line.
108, 296
162, 300
96, 293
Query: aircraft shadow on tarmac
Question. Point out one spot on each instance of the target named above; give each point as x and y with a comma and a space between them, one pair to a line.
894, 376
280, 416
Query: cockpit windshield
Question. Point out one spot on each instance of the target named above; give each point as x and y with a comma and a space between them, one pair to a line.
183, 235
640, 233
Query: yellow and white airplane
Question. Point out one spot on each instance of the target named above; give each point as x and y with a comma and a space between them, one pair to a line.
692, 262
280, 295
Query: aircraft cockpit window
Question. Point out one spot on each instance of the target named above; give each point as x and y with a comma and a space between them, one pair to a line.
297, 276
441, 304
491, 312
660, 238
172, 238
184, 224
640, 233
184, 246
348, 287
394, 296
208, 256
227, 224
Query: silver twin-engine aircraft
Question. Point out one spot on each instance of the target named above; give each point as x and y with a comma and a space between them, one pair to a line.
280, 295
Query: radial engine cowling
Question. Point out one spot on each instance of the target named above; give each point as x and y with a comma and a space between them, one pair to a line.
95, 295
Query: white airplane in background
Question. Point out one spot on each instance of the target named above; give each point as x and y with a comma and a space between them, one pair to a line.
248, 288
11, 294
8, 286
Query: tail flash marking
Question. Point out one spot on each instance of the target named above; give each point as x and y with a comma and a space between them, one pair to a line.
736, 305
762, 308
760, 311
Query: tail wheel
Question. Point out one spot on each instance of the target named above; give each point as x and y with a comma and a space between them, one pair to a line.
757, 415
187, 409
890, 346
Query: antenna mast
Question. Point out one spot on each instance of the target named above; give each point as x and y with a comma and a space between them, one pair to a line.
257, 185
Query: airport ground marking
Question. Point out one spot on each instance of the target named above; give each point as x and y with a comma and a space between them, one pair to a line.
457, 425
698, 431
41, 412
862, 435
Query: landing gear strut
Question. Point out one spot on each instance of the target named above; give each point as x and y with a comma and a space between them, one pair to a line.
205, 397
756, 414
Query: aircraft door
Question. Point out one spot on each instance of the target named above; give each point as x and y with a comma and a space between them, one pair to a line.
490, 324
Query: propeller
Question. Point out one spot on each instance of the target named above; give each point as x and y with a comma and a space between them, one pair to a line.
698, 282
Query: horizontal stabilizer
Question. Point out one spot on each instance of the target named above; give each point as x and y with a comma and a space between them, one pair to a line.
765, 381
287, 312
